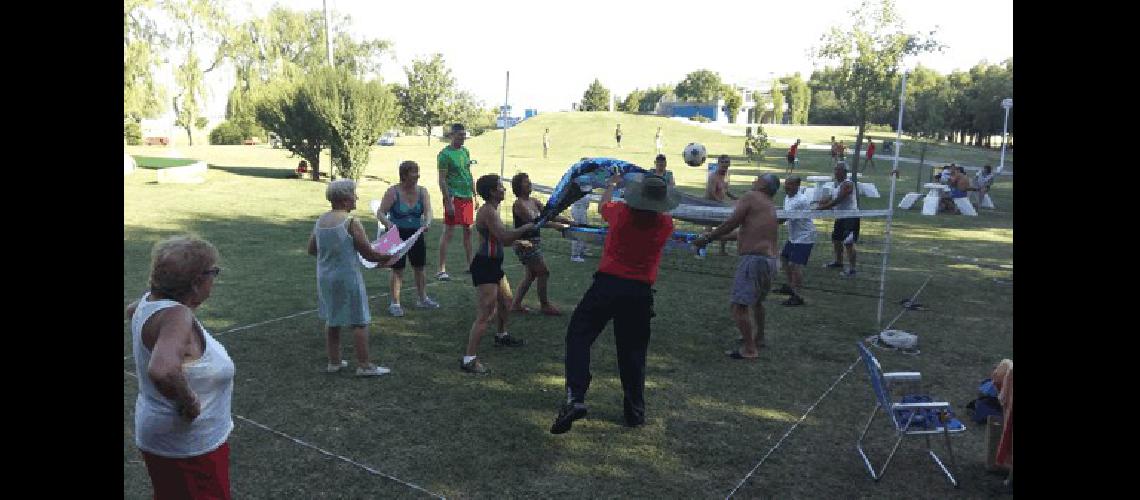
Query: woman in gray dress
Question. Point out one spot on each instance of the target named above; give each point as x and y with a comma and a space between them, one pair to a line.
336, 239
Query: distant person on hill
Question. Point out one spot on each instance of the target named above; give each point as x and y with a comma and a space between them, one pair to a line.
545, 143
617, 135
658, 141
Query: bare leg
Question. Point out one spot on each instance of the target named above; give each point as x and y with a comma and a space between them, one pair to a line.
788, 271
332, 344
443, 239
467, 243
851, 254
504, 303
524, 286
748, 346
795, 277
420, 278
758, 316
485, 296
838, 251
397, 282
360, 334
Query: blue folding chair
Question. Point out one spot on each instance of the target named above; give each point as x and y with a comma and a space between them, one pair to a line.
911, 415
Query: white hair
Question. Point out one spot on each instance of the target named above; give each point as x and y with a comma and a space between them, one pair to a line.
340, 189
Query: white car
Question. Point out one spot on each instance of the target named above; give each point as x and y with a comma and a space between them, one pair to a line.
387, 140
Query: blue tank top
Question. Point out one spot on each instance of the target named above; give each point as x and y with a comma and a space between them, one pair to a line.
407, 217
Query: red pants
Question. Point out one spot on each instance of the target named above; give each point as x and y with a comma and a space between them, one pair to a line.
202, 477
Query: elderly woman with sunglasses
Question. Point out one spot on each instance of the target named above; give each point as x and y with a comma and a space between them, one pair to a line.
186, 378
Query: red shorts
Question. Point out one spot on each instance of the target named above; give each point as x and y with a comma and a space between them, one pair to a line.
203, 476
463, 215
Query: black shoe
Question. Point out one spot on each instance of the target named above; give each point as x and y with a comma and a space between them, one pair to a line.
566, 417
834, 265
784, 290
794, 300
508, 341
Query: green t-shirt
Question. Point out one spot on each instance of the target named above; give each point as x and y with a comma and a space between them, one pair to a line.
455, 166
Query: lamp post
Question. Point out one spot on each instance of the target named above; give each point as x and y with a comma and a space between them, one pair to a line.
1007, 104
891, 203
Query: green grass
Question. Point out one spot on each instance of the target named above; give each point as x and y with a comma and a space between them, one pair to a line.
157, 162
710, 419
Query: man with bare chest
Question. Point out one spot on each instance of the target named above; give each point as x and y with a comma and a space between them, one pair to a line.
755, 215
716, 189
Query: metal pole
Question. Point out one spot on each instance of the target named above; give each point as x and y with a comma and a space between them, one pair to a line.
328, 38
506, 99
891, 207
1008, 103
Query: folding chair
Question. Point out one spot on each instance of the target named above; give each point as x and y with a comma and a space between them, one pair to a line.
911, 415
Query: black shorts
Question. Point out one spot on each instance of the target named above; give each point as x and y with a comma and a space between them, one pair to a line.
485, 270
845, 226
791, 159
618, 138
418, 252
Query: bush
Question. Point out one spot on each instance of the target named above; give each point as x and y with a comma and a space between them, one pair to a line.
700, 118
132, 133
878, 127
227, 133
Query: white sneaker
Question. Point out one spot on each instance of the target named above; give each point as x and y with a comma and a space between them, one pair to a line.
577, 258
427, 303
331, 368
395, 310
372, 371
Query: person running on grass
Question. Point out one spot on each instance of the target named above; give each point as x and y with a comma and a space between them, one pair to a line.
492, 290
525, 210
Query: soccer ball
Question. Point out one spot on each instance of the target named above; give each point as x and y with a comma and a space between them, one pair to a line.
694, 154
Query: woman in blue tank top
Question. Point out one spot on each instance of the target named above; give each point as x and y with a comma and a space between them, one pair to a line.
407, 207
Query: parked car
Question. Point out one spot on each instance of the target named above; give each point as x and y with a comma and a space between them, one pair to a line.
156, 141
387, 139
252, 141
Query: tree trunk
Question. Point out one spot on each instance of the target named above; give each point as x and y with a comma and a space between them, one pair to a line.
189, 136
315, 162
429, 133
921, 168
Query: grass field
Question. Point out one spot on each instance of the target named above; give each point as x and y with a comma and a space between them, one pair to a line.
710, 419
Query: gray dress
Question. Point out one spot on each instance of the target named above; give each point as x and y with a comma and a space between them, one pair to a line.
340, 285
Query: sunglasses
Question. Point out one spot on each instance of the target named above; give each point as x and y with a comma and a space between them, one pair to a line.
213, 271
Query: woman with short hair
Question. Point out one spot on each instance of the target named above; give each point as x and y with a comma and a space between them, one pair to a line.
407, 207
336, 239
186, 378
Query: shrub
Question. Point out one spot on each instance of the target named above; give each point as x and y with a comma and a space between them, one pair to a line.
878, 127
227, 133
700, 119
132, 133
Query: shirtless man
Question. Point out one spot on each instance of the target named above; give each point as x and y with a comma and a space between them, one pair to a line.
755, 214
717, 189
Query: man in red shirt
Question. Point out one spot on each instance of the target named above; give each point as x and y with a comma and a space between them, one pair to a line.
792, 152
638, 231
870, 154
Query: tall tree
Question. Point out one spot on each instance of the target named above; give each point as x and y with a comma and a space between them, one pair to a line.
286, 109
868, 51
198, 25
632, 102
355, 113
596, 97
425, 99
702, 85
653, 96
142, 45
798, 95
777, 102
732, 101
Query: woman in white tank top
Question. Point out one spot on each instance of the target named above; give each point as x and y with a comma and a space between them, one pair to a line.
186, 378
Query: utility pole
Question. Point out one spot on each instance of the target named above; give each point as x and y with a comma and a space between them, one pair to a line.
328, 37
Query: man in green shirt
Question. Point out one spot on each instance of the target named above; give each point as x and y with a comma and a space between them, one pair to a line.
455, 186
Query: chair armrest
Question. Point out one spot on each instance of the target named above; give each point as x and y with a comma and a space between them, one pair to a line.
902, 376
914, 406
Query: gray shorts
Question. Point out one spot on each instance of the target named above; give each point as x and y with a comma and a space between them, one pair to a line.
753, 279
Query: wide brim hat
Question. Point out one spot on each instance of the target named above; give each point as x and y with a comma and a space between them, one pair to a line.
651, 192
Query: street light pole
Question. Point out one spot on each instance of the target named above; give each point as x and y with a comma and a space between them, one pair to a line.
1007, 104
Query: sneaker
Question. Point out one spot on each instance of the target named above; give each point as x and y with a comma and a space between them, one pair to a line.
331, 368
508, 341
784, 290
371, 371
577, 258
443, 276
473, 367
833, 265
427, 303
847, 273
566, 417
794, 300
395, 310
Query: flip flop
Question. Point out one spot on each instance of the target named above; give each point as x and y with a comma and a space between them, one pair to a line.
735, 354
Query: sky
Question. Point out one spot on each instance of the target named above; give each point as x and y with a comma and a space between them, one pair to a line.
554, 49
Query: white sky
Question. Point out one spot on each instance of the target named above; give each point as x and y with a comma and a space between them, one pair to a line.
555, 49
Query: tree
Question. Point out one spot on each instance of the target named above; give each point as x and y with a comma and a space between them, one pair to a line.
355, 114
732, 101
701, 86
596, 97
652, 96
197, 23
632, 102
869, 54
285, 108
425, 99
798, 96
187, 104
142, 95
464, 108
777, 102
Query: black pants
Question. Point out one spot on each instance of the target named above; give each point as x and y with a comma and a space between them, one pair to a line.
630, 304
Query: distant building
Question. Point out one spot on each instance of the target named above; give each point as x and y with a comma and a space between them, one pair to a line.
717, 111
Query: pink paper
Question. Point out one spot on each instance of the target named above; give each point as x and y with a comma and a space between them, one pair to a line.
390, 242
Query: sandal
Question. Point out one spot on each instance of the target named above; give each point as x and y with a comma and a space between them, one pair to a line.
735, 354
